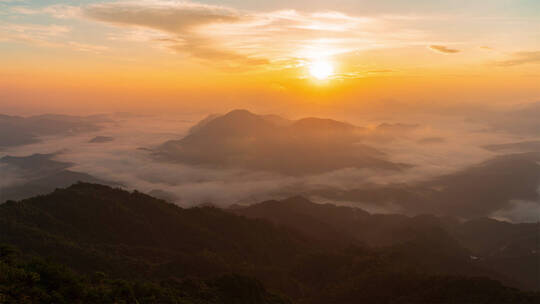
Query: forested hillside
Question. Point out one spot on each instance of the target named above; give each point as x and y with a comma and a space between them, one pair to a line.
90, 243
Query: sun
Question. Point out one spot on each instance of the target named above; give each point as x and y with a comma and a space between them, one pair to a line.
321, 69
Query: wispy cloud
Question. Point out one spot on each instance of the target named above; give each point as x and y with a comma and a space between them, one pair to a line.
173, 17
59, 11
39, 34
443, 49
237, 38
45, 35
520, 58
181, 21
85, 47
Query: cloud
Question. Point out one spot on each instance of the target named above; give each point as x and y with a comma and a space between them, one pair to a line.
173, 17
520, 58
61, 11
36, 31
402, 141
518, 120
23, 10
84, 47
235, 38
9, 177
58, 11
45, 35
32, 33
205, 49
182, 21
443, 49
361, 74
123, 161
381, 71
519, 211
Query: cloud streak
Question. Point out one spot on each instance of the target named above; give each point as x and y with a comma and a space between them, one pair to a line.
181, 20
520, 58
237, 38
443, 49
45, 35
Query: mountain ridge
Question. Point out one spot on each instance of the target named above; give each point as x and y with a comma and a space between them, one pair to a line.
482, 238
241, 139
133, 236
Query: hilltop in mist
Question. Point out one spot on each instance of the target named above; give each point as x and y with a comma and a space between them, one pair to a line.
440, 164
241, 139
17, 131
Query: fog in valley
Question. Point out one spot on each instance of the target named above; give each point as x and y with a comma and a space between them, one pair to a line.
465, 163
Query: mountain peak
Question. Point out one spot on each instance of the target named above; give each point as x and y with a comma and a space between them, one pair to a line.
298, 199
239, 113
325, 123
242, 139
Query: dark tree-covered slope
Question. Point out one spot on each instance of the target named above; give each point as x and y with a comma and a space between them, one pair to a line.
512, 250
155, 248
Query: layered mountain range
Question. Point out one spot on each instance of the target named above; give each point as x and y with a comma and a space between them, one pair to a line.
305, 252
17, 131
241, 139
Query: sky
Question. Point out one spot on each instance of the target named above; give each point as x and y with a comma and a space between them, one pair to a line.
294, 56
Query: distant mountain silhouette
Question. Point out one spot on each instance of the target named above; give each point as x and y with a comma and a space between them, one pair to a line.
520, 119
524, 146
35, 164
510, 249
396, 127
16, 130
39, 174
241, 139
101, 139
103, 233
474, 191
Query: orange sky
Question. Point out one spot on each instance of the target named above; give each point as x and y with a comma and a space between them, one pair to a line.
160, 55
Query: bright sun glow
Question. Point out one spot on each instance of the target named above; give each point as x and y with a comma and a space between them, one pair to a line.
321, 69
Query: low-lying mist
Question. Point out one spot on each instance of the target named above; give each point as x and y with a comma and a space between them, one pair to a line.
418, 162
